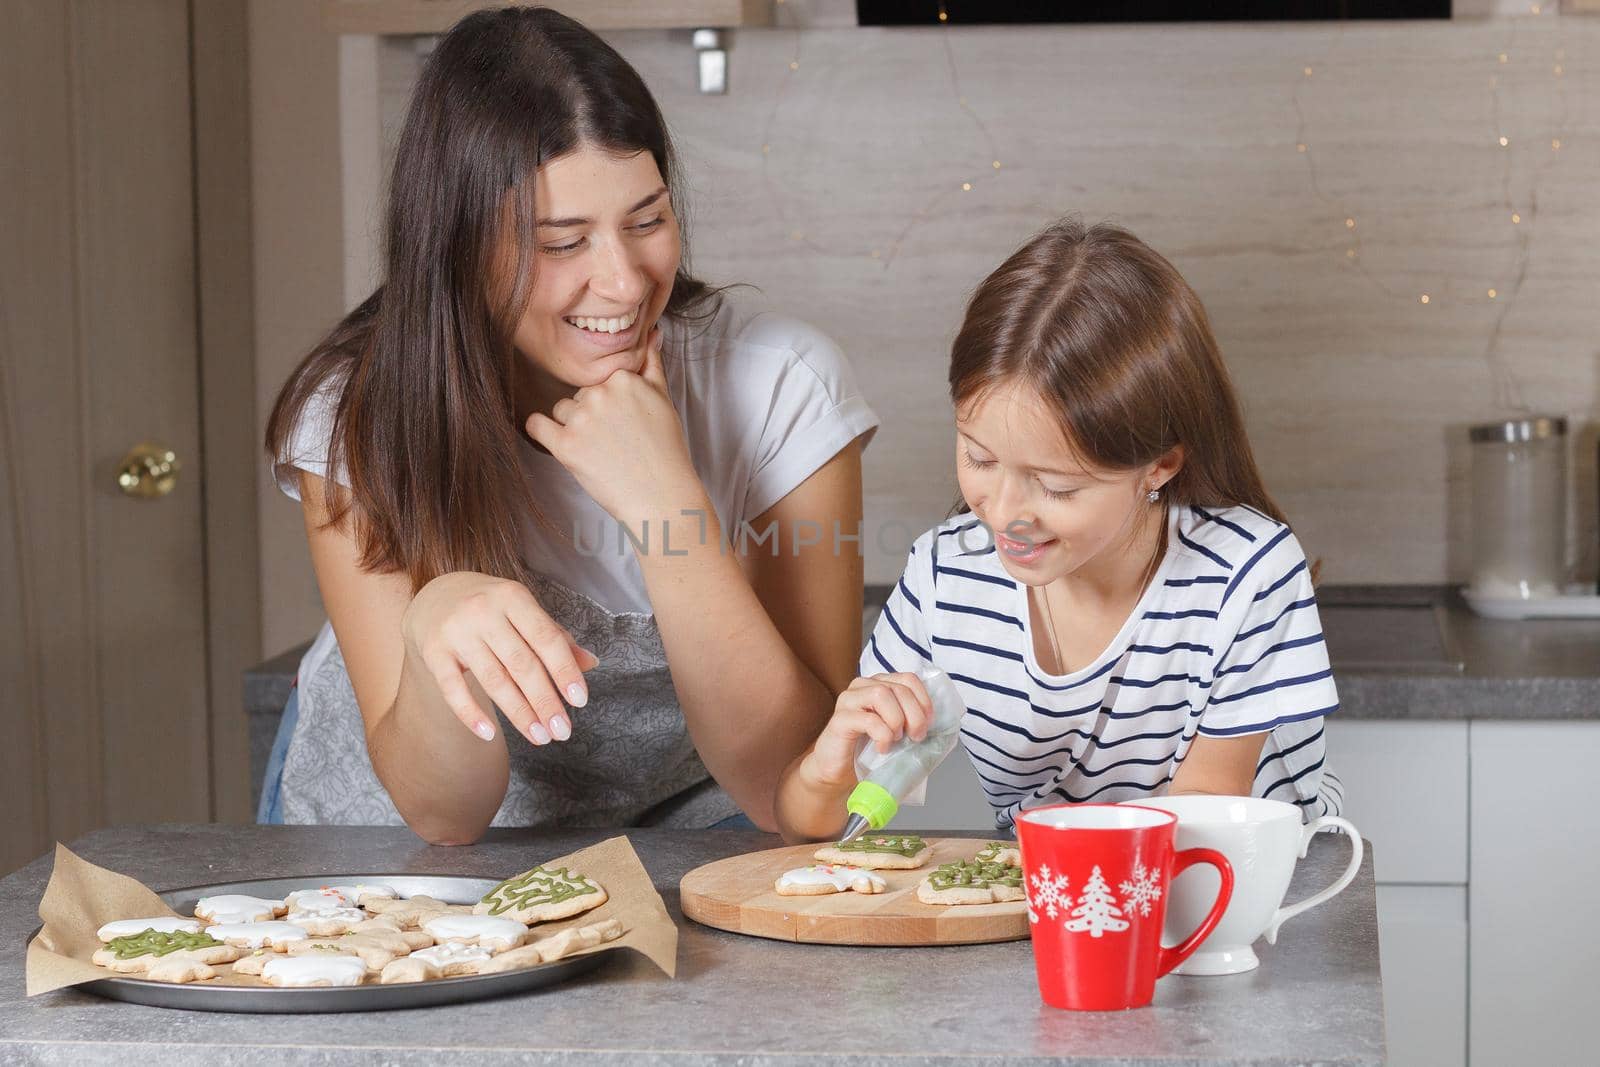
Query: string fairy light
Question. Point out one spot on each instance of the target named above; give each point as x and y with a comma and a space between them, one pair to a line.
884, 256
1507, 391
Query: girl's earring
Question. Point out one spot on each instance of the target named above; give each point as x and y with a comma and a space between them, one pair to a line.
1153, 495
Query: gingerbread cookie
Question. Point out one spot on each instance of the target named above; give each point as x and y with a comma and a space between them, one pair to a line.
878, 852
542, 895
971, 882
414, 911
176, 956
828, 878
383, 925
235, 908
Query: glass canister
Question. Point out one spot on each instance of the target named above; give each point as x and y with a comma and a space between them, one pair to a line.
1519, 507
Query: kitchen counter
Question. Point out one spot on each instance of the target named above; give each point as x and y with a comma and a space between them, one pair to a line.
1317, 997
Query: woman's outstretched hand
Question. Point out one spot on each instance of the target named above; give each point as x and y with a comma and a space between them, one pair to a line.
623, 442
497, 630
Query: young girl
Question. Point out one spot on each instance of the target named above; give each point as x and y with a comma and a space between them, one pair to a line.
1120, 602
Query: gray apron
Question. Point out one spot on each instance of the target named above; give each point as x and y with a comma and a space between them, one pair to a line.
629, 762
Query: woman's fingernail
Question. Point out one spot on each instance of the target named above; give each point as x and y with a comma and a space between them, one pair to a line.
560, 727
483, 730
538, 734
577, 695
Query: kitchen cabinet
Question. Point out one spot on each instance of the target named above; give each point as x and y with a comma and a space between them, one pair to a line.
1535, 865
1422, 937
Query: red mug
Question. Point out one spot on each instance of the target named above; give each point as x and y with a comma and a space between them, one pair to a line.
1096, 877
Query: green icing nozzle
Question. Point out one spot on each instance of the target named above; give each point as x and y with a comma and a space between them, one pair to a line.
873, 803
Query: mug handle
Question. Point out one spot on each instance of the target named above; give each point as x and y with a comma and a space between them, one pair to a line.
1182, 861
1357, 850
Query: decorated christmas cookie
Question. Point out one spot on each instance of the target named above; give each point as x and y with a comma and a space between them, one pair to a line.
269, 934
542, 895
878, 852
323, 899
1003, 852
375, 950
491, 932
972, 882
178, 956
571, 940
317, 970
234, 908
165, 924
829, 878
413, 911
328, 922
440, 961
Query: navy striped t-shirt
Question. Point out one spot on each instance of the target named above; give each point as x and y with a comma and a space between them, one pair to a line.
1225, 641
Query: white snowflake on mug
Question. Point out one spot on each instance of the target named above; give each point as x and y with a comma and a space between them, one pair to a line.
1049, 894
1097, 910
1143, 890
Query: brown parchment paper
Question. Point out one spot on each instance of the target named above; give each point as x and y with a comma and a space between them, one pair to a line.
82, 897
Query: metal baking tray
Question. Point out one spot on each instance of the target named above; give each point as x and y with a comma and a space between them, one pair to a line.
198, 996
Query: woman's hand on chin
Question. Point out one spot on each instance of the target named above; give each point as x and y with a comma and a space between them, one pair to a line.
623, 442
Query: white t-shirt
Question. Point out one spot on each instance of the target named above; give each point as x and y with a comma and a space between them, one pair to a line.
1225, 642
764, 402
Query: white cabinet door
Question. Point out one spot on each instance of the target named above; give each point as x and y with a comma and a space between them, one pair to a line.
1422, 935
1535, 869
1405, 786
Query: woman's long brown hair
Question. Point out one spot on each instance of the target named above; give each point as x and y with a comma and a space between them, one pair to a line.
424, 421
1112, 339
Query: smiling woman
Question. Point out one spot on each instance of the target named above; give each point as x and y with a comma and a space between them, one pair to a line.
539, 364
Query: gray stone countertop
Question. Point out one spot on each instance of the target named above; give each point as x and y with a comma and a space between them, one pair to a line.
1317, 997
1419, 653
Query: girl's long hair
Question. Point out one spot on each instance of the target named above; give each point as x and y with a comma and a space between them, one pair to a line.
419, 376
1111, 338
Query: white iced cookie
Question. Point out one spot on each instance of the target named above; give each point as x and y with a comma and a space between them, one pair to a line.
314, 971
828, 878
441, 961
492, 933
545, 950
234, 908
268, 934
326, 898
362, 894
375, 951
329, 922
164, 924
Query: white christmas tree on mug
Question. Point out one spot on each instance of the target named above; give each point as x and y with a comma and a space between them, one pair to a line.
1097, 909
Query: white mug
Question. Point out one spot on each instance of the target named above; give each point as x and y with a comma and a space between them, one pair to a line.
1262, 840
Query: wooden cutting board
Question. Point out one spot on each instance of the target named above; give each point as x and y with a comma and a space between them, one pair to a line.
736, 894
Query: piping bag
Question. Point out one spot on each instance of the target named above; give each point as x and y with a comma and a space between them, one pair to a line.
892, 776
